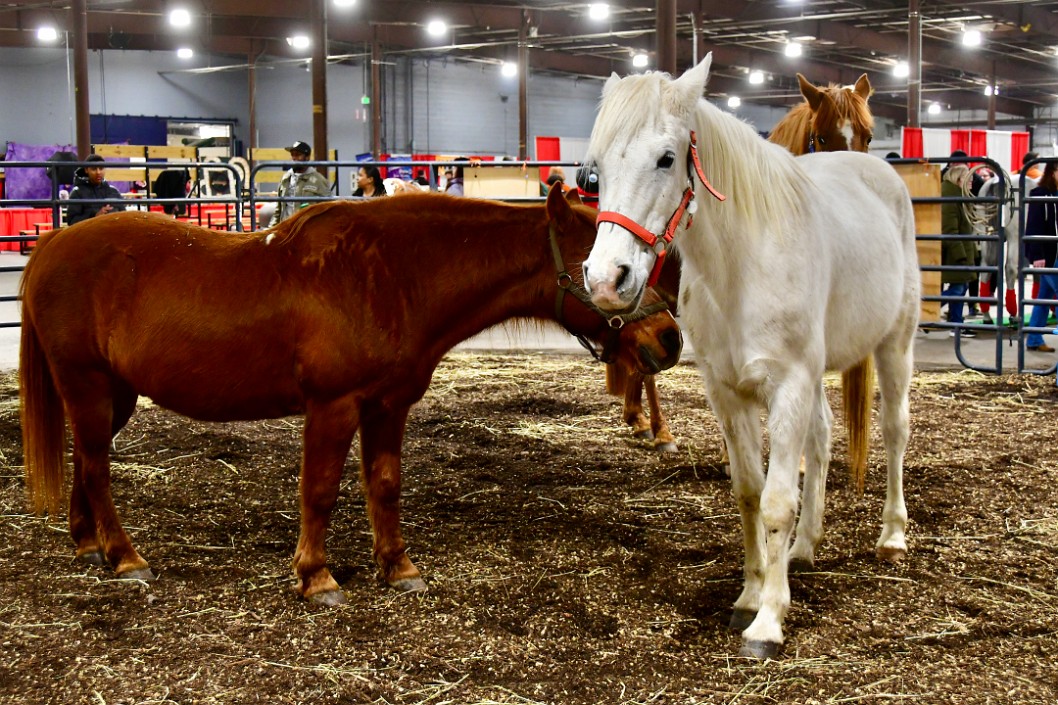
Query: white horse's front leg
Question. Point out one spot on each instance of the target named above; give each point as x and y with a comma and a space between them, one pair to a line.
814, 486
789, 413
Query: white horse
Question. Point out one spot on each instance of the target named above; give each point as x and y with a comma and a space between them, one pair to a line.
809, 265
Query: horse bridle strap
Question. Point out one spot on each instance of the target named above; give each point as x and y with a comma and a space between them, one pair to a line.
660, 243
566, 285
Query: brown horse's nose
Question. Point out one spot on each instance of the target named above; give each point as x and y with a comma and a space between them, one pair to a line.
672, 341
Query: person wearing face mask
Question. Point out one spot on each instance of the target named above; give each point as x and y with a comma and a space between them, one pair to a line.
299, 180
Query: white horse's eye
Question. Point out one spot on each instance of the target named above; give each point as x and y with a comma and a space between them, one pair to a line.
667, 160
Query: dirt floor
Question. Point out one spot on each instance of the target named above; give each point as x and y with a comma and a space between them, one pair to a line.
567, 562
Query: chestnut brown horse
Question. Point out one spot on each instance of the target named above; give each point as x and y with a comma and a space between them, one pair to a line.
340, 313
832, 119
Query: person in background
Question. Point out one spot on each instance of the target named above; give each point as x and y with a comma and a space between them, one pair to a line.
369, 183
1042, 219
454, 187
956, 252
299, 180
556, 176
1033, 172
90, 183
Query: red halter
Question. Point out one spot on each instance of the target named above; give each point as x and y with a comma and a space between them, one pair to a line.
660, 244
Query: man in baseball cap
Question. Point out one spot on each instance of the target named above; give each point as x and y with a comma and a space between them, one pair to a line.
299, 180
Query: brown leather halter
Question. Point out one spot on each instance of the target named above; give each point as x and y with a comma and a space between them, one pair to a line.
566, 285
660, 243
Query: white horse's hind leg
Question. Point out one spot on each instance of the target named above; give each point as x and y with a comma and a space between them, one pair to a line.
789, 416
895, 365
814, 487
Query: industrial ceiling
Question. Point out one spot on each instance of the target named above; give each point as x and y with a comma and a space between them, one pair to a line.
840, 39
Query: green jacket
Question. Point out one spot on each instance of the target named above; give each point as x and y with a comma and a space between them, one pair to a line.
955, 222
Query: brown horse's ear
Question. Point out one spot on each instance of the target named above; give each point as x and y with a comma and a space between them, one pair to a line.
558, 209
812, 94
863, 87
572, 197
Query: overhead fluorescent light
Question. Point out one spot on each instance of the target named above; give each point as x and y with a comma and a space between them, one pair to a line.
901, 69
299, 41
508, 69
734, 101
793, 49
599, 10
180, 17
435, 28
640, 60
47, 34
756, 77
971, 38
185, 52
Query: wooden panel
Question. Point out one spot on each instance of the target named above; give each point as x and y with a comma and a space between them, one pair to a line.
172, 152
126, 151
923, 181
501, 182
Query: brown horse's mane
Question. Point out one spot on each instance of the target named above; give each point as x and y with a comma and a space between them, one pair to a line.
340, 227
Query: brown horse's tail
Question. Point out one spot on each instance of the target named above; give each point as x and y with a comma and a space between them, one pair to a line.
616, 379
43, 423
857, 393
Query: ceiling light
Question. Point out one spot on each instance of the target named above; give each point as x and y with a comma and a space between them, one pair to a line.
640, 60
185, 52
934, 109
971, 38
991, 90
901, 70
47, 34
436, 28
509, 69
344, 3
299, 41
180, 18
734, 101
598, 10
793, 49
756, 77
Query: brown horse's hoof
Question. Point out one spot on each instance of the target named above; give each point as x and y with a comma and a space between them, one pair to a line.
143, 574
409, 585
646, 435
892, 555
760, 650
329, 598
667, 447
801, 565
741, 619
95, 558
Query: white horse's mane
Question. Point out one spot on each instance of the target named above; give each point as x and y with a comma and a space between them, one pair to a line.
765, 186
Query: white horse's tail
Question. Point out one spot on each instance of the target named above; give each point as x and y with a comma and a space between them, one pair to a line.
857, 393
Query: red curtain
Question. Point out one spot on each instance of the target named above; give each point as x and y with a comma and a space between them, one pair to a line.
978, 143
548, 149
1019, 145
912, 146
960, 139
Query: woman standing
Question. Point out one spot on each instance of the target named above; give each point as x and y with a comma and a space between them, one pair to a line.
369, 183
1042, 219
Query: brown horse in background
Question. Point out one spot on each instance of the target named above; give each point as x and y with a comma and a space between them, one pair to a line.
340, 313
832, 119
837, 119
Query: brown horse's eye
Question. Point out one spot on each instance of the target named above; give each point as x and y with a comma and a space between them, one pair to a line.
822, 140
869, 138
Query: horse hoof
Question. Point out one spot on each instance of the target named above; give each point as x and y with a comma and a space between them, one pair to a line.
329, 598
95, 558
667, 447
143, 574
409, 585
741, 619
760, 650
892, 555
801, 565
646, 435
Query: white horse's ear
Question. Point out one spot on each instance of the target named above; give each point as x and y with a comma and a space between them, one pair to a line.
612, 81
691, 85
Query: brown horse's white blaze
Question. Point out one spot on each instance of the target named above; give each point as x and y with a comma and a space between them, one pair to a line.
809, 265
341, 314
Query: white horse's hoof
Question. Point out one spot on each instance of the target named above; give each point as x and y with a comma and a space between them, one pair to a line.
890, 554
801, 565
760, 650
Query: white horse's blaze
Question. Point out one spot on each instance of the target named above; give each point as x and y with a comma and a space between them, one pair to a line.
809, 263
